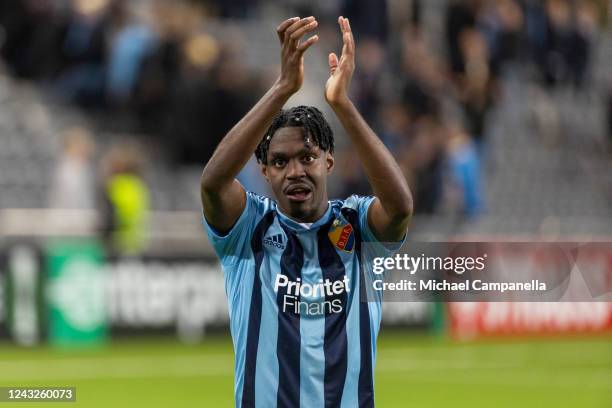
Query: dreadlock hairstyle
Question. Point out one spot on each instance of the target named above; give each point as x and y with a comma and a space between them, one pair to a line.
312, 122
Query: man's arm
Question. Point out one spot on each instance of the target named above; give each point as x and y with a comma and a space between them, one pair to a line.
390, 213
223, 198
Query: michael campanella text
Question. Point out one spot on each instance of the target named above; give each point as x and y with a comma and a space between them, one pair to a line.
466, 285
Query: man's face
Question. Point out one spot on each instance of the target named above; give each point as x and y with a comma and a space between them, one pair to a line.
297, 170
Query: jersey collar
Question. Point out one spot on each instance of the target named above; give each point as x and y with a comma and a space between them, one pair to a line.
297, 227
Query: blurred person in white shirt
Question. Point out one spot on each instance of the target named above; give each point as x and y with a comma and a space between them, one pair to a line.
73, 185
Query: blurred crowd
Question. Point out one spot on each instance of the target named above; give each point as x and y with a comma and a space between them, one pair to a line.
436, 117
147, 60
155, 63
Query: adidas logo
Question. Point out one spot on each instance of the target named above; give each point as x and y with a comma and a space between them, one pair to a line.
275, 241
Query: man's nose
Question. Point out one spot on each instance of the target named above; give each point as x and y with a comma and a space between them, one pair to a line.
295, 169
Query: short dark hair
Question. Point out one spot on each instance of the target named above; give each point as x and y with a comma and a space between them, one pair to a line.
309, 118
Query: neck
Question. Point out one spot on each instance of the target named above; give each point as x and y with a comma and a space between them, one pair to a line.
310, 217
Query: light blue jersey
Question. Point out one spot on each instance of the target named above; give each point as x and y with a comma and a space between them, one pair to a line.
302, 337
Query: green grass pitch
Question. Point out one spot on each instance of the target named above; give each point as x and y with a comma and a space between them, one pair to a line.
412, 371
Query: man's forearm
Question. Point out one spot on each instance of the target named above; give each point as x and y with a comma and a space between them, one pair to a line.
382, 170
239, 144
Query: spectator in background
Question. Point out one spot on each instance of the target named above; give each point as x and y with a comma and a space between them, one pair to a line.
371, 58
463, 165
475, 84
422, 156
501, 24
535, 28
558, 45
73, 183
125, 201
192, 112
424, 79
586, 32
395, 125
422, 163
84, 49
460, 14
132, 40
214, 92
174, 24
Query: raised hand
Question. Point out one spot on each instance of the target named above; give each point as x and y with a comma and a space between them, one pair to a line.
290, 33
341, 71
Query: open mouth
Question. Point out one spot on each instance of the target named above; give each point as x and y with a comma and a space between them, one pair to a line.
298, 193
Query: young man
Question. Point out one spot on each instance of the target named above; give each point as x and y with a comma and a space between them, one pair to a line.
292, 266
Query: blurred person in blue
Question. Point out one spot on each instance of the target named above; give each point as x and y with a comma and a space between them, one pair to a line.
294, 275
132, 40
465, 178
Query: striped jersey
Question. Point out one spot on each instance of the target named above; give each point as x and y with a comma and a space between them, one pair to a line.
301, 335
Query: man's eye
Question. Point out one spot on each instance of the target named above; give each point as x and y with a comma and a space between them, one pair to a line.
278, 163
309, 159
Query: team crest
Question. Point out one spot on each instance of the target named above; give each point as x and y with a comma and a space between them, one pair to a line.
341, 234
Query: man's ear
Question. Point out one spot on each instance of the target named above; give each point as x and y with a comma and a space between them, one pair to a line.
264, 171
329, 159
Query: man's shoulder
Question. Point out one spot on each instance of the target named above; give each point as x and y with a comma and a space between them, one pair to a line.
258, 205
354, 202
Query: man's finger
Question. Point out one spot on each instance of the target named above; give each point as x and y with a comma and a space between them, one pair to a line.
347, 48
297, 34
332, 59
347, 36
348, 44
350, 34
280, 30
306, 44
297, 25
343, 25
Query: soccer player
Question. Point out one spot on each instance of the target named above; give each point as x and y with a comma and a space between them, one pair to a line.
292, 266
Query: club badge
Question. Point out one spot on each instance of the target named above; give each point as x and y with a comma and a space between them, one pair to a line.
341, 234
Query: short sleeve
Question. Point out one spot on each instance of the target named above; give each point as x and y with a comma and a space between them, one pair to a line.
362, 206
234, 245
